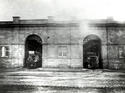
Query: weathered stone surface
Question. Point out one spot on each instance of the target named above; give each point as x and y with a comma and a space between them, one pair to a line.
55, 34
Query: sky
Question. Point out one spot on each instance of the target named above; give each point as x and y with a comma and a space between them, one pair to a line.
65, 9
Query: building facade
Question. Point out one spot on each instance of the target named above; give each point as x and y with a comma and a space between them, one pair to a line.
62, 44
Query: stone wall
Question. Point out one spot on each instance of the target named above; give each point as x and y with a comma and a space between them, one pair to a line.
116, 47
69, 37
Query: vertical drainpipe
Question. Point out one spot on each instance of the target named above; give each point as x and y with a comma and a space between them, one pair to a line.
70, 46
107, 45
46, 45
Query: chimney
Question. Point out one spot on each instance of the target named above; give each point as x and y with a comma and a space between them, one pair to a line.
110, 19
16, 19
50, 18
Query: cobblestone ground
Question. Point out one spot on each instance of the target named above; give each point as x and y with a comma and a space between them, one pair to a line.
88, 81
38, 89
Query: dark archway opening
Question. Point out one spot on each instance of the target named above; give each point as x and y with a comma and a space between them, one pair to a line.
92, 57
33, 52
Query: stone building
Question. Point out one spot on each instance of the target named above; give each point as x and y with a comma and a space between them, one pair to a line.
62, 44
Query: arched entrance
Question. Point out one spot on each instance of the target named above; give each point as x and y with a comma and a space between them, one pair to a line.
33, 52
92, 57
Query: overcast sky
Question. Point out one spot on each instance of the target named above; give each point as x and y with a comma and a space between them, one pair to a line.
38, 9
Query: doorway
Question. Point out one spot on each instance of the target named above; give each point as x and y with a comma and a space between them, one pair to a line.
92, 57
33, 52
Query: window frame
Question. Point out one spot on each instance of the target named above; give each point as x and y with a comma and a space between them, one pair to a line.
121, 51
4, 51
62, 51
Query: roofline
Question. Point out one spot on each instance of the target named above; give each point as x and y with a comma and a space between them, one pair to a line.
39, 25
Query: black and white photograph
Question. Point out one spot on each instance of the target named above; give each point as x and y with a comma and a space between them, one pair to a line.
62, 46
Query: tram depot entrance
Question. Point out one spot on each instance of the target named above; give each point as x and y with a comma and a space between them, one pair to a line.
92, 57
33, 52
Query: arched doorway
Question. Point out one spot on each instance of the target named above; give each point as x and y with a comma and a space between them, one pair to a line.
92, 57
33, 52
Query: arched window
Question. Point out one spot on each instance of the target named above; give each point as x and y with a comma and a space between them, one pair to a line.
4, 51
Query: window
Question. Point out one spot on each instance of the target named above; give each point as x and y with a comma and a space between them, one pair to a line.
4, 51
121, 52
62, 51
